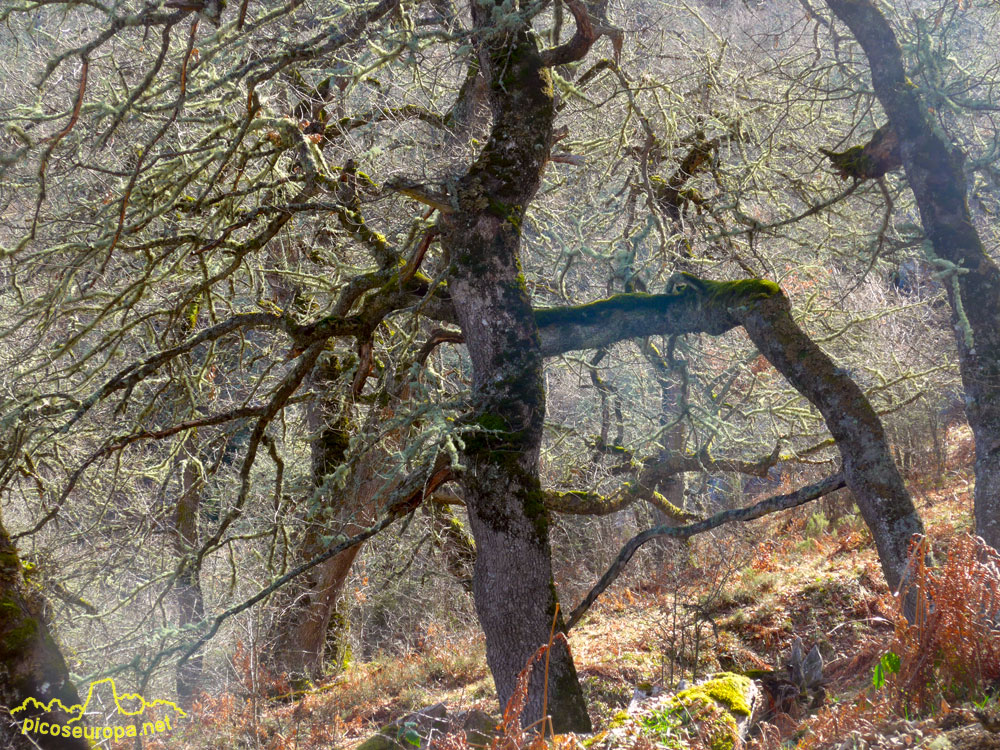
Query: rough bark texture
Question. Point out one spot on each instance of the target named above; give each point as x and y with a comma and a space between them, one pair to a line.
699, 305
31, 665
512, 581
934, 171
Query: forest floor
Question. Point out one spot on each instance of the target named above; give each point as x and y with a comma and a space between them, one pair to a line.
811, 574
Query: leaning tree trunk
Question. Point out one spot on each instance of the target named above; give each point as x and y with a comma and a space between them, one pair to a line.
869, 470
512, 581
701, 306
972, 279
31, 665
309, 606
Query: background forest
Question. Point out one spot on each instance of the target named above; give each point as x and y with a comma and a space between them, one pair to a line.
351, 350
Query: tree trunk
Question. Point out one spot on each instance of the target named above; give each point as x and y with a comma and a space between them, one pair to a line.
300, 646
934, 170
868, 467
187, 587
307, 606
512, 581
31, 665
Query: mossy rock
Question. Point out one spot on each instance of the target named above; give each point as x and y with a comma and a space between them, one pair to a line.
720, 708
480, 728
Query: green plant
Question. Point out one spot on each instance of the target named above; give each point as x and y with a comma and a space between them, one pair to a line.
887, 665
982, 702
817, 525
666, 726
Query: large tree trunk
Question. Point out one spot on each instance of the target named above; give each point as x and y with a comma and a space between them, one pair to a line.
512, 581
31, 665
935, 174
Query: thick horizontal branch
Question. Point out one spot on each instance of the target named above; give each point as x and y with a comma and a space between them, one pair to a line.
669, 464
576, 502
626, 316
764, 507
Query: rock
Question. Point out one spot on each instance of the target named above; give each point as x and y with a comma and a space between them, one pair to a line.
720, 708
411, 731
973, 737
479, 728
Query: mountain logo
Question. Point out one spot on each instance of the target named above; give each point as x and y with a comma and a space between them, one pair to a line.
76, 712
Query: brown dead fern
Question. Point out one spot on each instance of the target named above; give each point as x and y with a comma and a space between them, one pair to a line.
951, 650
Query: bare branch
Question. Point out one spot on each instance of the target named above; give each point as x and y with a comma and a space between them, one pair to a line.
764, 507
577, 47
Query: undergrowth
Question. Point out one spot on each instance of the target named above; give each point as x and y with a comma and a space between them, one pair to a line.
951, 651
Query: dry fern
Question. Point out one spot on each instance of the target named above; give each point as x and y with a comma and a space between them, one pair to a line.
952, 648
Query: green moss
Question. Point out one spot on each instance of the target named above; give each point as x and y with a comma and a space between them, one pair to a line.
619, 719
9, 559
853, 162
8, 610
512, 214
339, 652
17, 628
733, 293
491, 422
713, 704
538, 515
728, 690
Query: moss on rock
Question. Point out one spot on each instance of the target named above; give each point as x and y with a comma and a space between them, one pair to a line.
727, 689
718, 706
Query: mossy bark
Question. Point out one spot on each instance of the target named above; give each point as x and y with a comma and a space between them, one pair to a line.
453, 541
868, 467
936, 176
512, 581
31, 665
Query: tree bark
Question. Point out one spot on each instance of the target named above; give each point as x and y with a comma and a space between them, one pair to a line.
299, 645
512, 581
31, 665
869, 470
934, 171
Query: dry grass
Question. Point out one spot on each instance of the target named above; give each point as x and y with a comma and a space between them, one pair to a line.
794, 575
